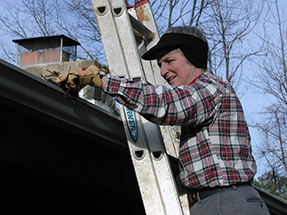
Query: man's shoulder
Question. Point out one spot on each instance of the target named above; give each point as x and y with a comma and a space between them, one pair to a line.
208, 78
209, 75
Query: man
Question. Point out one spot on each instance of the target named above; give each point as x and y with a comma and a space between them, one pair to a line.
215, 159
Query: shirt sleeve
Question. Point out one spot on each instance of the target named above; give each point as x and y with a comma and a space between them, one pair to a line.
186, 105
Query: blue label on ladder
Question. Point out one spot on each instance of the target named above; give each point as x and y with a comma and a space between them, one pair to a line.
131, 123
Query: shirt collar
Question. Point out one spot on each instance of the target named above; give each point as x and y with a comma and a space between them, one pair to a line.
194, 80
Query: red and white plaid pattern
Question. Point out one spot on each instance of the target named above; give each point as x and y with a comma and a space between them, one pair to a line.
215, 145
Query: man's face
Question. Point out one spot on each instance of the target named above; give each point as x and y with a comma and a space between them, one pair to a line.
175, 69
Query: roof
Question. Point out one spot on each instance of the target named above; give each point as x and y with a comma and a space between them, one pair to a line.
72, 154
37, 97
46, 42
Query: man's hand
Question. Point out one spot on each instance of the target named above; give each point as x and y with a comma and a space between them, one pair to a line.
78, 77
74, 79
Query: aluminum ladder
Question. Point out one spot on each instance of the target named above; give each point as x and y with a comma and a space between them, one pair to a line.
126, 34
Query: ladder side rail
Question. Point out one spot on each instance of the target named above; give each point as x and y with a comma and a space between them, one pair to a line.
127, 40
117, 65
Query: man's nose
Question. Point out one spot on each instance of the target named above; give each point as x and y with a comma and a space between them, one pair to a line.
163, 70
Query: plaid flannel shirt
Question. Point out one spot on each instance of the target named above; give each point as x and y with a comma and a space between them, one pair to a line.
215, 145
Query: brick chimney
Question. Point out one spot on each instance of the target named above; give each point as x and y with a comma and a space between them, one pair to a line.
47, 49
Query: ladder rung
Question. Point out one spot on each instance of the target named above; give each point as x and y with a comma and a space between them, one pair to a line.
141, 28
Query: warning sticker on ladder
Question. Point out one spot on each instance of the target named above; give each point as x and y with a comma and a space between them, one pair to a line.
132, 124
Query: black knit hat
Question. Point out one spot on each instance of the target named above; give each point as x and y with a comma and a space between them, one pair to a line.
194, 48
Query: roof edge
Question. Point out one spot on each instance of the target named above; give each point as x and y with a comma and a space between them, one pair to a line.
46, 101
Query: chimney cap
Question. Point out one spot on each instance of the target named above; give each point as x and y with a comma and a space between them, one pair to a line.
46, 42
